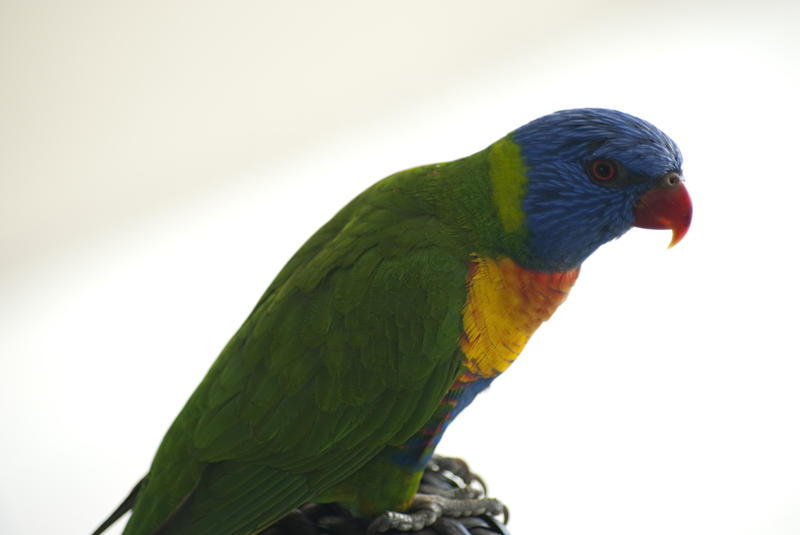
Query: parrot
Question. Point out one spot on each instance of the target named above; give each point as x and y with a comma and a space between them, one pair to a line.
392, 317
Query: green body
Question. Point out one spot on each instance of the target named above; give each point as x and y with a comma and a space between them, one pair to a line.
346, 356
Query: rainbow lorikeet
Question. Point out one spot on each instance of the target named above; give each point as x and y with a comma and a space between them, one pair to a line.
390, 319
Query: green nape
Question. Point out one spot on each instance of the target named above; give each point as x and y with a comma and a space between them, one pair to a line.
509, 183
479, 196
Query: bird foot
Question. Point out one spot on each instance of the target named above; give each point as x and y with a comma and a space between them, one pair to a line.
427, 509
457, 467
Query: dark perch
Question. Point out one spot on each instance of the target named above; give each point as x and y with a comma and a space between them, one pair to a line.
441, 477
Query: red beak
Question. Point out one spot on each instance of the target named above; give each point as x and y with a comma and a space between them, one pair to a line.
665, 206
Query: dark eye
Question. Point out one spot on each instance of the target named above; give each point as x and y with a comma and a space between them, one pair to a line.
603, 170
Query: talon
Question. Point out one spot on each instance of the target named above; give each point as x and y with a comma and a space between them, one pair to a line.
385, 522
458, 467
428, 509
481, 482
444, 495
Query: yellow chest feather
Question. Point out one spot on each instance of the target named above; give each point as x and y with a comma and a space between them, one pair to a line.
505, 305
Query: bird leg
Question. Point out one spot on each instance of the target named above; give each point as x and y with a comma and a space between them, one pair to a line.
446, 490
426, 509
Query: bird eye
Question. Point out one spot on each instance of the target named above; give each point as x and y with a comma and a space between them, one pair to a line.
603, 170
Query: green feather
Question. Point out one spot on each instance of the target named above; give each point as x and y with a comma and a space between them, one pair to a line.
348, 352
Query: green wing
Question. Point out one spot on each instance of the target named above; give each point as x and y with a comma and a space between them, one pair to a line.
350, 349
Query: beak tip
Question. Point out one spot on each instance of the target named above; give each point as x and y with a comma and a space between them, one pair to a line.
678, 232
665, 208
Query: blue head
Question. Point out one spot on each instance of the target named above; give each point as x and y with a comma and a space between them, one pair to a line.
588, 170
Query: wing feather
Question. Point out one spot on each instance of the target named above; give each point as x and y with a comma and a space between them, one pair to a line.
349, 351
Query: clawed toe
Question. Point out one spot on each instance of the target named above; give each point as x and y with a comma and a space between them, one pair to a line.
457, 467
401, 521
429, 509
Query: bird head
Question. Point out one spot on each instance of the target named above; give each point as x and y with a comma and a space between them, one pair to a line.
592, 175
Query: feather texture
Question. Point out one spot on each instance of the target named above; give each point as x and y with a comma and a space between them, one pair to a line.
388, 321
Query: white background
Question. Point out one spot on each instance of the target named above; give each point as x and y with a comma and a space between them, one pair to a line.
160, 161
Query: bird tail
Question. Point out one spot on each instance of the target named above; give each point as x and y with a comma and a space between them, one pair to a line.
123, 508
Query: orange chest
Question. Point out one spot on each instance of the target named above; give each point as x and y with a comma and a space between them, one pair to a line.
505, 305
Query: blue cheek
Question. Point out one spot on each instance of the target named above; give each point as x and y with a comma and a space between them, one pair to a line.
563, 234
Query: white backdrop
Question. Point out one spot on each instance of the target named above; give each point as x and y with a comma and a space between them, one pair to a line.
159, 164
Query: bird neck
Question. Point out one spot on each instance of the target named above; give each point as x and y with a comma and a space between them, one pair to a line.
505, 305
478, 198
